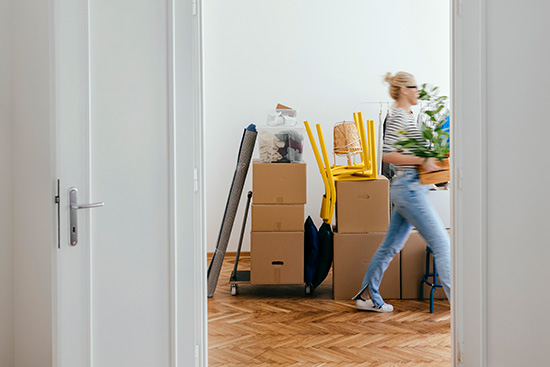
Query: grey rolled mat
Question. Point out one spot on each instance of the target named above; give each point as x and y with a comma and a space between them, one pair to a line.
243, 161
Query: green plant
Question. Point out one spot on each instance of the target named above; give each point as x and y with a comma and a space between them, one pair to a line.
436, 139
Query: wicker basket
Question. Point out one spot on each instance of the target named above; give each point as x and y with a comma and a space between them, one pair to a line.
346, 139
435, 177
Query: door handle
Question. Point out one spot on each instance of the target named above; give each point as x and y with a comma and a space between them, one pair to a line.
73, 217
87, 206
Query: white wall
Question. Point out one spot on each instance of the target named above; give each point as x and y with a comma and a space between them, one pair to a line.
6, 246
518, 245
33, 192
322, 57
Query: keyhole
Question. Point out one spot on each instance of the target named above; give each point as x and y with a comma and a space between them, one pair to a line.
74, 229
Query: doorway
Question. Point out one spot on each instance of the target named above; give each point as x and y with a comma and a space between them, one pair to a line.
323, 61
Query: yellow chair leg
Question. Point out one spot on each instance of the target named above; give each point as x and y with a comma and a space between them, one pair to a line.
325, 206
328, 171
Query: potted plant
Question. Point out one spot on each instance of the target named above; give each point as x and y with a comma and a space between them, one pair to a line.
436, 136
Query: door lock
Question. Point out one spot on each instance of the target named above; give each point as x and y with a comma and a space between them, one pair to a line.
73, 218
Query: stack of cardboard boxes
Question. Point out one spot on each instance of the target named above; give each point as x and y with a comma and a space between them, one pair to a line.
362, 220
277, 237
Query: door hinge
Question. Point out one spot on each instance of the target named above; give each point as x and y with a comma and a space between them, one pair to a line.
57, 201
195, 179
460, 177
197, 355
459, 355
459, 7
194, 7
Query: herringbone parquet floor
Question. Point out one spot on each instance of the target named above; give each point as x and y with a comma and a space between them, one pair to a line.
281, 326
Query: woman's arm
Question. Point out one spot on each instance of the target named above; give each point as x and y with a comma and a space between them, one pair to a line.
405, 159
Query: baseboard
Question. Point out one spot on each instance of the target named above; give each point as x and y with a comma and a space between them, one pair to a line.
230, 254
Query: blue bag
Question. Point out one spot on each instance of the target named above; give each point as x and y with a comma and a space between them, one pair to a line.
311, 250
326, 254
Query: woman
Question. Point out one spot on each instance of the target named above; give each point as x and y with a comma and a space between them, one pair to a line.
411, 204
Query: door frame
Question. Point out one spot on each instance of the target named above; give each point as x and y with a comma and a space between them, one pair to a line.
187, 68
468, 194
469, 205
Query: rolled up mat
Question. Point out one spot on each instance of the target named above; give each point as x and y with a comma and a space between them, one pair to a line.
243, 162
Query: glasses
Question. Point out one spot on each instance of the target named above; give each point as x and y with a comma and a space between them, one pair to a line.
411, 86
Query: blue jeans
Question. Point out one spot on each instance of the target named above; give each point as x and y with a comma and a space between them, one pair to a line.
412, 208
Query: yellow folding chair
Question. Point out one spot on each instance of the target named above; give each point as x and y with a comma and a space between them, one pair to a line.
366, 170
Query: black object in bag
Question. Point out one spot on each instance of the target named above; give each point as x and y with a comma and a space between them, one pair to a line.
326, 254
387, 168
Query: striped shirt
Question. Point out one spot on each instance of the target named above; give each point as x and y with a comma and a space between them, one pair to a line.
400, 120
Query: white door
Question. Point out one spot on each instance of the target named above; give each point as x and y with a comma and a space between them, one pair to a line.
115, 133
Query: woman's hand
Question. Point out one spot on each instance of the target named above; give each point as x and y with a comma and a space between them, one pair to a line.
430, 165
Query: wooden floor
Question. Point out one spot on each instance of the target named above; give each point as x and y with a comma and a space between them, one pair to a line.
281, 326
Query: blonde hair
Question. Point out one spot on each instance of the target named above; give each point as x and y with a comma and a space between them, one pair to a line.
400, 79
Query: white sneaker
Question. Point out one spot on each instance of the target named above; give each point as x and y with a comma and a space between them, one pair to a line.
368, 305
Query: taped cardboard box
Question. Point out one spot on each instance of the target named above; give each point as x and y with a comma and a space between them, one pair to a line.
279, 183
362, 206
352, 255
277, 258
277, 218
413, 266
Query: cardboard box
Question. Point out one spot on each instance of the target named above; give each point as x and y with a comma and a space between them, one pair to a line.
434, 177
363, 206
352, 254
441, 200
413, 266
277, 258
277, 218
279, 183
